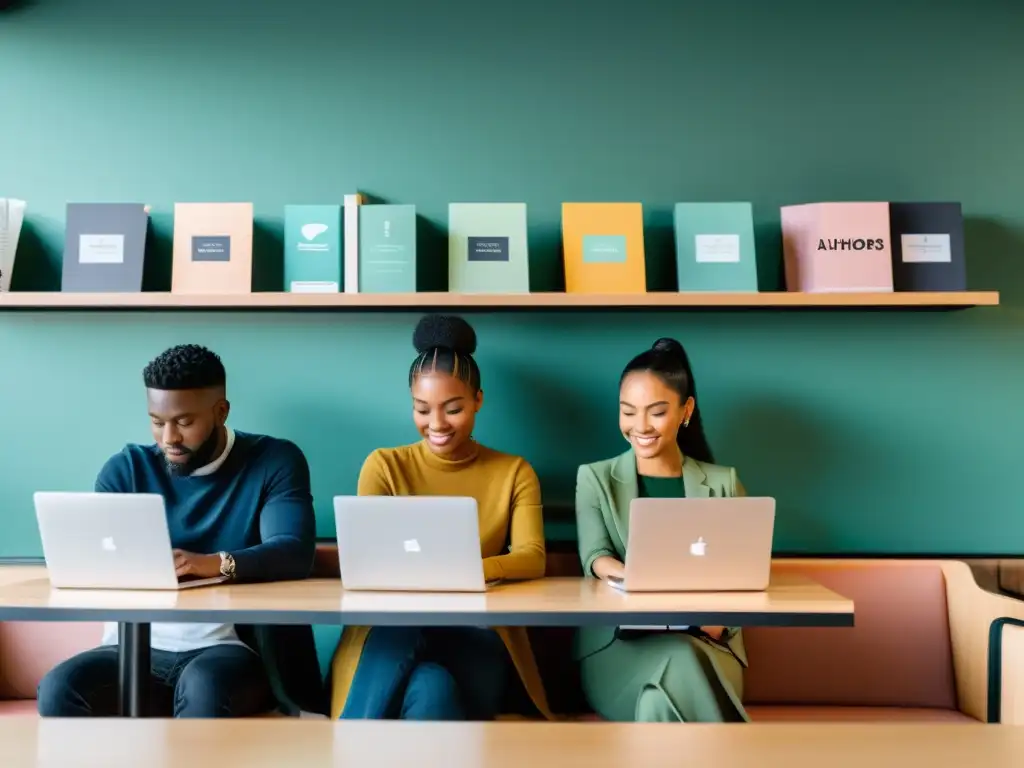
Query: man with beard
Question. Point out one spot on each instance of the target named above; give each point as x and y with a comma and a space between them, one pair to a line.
239, 506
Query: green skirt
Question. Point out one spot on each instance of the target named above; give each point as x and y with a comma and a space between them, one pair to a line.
664, 677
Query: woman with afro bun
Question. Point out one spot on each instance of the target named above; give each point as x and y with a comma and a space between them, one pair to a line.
457, 673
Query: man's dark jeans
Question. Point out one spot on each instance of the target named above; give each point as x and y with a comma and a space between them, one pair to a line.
220, 681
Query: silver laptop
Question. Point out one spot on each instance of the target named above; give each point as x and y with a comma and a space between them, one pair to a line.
409, 543
108, 541
699, 545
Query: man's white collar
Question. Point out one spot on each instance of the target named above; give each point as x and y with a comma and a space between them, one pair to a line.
214, 465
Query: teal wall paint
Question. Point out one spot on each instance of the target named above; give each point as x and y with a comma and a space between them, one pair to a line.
886, 432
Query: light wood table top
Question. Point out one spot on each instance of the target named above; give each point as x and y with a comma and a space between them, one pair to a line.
791, 600
28, 742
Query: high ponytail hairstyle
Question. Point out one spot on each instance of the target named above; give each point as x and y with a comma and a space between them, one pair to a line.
667, 359
445, 345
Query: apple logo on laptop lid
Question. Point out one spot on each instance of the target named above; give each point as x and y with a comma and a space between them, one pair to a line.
108, 544
411, 545
699, 548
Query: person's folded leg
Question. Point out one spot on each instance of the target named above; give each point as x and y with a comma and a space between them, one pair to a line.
222, 681
431, 694
386, 663
86, 685
478, 663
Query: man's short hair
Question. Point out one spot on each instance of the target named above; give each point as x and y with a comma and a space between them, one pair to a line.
186, 366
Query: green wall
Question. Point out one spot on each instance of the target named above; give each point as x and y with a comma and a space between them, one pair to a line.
876, 431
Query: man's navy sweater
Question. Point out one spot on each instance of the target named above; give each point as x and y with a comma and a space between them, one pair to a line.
257, 506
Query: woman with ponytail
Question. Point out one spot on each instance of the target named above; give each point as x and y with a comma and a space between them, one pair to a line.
662, 676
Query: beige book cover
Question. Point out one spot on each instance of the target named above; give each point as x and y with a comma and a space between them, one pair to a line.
212, 248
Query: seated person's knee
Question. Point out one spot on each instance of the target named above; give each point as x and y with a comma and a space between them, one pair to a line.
78, 687
653, 706
431, 694
51, 694
198, 695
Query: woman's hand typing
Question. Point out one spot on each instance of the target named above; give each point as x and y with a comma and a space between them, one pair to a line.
608, 567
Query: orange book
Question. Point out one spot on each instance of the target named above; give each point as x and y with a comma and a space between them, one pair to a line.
212, 248
603, 245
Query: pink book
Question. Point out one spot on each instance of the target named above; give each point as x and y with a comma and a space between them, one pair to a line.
837, 247
212, 248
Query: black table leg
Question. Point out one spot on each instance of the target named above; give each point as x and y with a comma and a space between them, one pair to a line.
133, 682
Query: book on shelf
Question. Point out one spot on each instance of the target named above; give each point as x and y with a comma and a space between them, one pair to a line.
715, 247
387, 249
104, 247
12, 218
351, 252
928, 247
312, 248
603, 248
837, 247
487, 248
212, 248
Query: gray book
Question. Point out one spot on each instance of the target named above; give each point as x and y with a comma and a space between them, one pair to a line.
104, 247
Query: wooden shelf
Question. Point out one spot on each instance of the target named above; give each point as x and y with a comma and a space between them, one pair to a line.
484, 302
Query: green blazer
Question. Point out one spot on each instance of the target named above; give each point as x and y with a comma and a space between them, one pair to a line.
604, 491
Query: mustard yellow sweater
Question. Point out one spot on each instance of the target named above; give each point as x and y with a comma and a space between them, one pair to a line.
507, 493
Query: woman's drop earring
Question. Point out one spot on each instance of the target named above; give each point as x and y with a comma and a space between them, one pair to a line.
686, 422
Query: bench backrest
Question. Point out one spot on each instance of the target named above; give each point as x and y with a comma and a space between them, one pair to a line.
29, 649
898, 654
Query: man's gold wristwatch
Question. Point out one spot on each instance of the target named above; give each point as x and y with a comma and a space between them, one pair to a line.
227, 565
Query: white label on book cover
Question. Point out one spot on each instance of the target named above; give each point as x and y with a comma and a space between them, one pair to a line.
313, 286
717, 249
926, 249
101, 249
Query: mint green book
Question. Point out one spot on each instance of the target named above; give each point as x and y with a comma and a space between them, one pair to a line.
312, 248
487, 249
715, 247
387, 249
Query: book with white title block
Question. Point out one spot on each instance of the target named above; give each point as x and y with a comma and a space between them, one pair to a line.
104, 247
928, 247
715, 247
